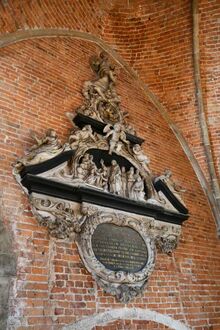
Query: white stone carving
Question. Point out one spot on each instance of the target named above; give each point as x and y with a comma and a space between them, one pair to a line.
81, 136
123, 284
141, 158
117, 137
101, 100
174, 187
45, 148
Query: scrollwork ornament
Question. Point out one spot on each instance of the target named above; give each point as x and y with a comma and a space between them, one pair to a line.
123, 284
62, 218
123, 293
167, 244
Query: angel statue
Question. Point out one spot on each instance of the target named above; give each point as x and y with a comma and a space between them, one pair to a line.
45, 148
117, 137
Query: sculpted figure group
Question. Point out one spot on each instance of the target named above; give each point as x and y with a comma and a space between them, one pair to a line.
101, 100
103, 104
111, 178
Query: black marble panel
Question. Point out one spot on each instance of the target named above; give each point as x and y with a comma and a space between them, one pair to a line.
119, 248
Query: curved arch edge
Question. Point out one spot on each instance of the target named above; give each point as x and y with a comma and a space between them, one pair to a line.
104, 318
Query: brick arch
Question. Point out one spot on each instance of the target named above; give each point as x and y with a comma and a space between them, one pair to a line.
12, 38
7, 271
104, 318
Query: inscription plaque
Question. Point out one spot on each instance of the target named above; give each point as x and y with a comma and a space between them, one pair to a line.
119, 248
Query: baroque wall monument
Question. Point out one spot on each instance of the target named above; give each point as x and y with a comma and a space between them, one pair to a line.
166, 58
100, 181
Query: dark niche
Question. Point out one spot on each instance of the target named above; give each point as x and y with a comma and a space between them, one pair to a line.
119, 248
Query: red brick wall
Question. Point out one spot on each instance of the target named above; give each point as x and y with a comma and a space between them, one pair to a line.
40, 81
210, 47
155, 38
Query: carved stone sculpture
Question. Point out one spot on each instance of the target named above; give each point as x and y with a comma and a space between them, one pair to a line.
101, 100
141, 158
117, 137
124, 182
104, 176
167, 244
45, 148
115, 182
58, 216
81, 136
175, 188
130, 182
137, 189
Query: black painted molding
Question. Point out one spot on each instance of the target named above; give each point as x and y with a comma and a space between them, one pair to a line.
81, 194
48, 164
161, 186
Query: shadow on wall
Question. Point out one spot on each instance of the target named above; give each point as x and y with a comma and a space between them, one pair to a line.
7, 270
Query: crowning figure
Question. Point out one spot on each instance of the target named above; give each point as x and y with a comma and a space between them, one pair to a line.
106, 75
101, 99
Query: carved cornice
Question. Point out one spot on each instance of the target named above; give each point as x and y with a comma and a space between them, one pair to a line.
98, 197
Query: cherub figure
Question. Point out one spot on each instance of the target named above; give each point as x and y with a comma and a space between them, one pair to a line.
117, 135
